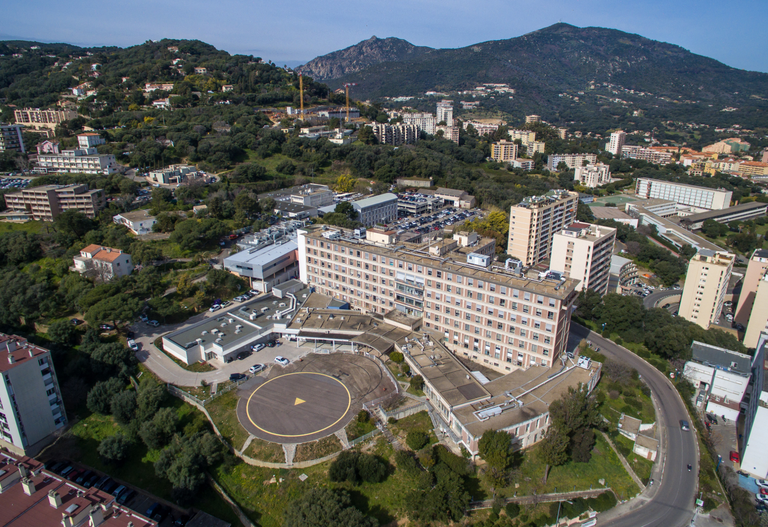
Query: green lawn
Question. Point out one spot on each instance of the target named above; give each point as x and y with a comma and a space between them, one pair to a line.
223, 411
32, 227
418, 421
640, 465
357, 428
604, 464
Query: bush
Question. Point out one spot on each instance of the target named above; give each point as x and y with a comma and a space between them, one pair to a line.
405, 368
602, 503
406, 462
355, 467
457, 464
363, 416
100, 396
416, 440
114, 449
396, 357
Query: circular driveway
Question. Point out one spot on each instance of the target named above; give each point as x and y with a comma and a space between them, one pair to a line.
297, 407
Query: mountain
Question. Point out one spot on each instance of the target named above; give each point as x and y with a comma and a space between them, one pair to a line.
549, 68
360, 56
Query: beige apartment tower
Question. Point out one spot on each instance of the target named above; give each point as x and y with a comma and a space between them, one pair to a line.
504, 151
758, 318
583, 251
706, 283
534, 221
756, 270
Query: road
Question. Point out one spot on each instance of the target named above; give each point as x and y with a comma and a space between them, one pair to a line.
656, 297
670, 502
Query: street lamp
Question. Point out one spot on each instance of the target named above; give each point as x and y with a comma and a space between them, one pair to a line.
560, 503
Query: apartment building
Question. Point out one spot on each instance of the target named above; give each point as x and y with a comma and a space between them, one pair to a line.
488, 314
706, 283
616, 142
525, 164
721, 376
658, 156
572, 160
592, 176
532, 119
172, 174
727, 146
395, 134
525, 136
583, 252
623, 274
78, 161
90, 140
535, 220
425, 122
31, 410
504, 151
754, 455
445, 112
376, 209
48, 201
103, 263
758, 317
32, 495
701, 199
10, 138
37, 118
756, 271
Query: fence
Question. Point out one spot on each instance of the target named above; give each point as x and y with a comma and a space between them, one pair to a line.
403, 412
181, 394
364, 438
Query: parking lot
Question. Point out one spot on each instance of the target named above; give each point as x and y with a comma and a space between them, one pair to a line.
434, 221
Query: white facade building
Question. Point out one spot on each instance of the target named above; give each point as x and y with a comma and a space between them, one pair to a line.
376, 209
425, 122
137, 221
90, 140
616, 142
571, 160
583, 251
700, 198
592, 176
31, 409
103, 263
754, 455
445, 112
79, 161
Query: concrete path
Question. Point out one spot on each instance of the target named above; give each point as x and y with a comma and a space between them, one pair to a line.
624, 463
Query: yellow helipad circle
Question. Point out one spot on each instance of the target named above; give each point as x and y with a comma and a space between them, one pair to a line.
297, 403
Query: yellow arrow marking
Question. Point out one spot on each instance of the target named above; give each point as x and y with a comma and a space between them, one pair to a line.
298, 401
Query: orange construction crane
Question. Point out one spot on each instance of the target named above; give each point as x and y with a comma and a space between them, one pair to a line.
346, 86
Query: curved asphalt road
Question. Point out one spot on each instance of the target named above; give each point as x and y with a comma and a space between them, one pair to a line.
670, 502
656, 297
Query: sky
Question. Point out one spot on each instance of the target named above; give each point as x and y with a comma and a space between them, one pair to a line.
292, 32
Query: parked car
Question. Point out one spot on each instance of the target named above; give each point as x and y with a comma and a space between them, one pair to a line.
84, 476
684, 425
153, 323
132, 344
106, 327
119, 490
75, 321
762, 483
761, 498
125, 497
181, 521
66, 470
282, 361
214, 307
256, 368
226, 304
243, 354
257, 347
143, 317
73, 475
236, 376
735, 457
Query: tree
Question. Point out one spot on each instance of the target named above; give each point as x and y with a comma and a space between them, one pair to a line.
416, 440
123, 406
321, 507
100, 396
582, 443
247, 203
366, 136
73, 222
584, 212
268, 205
159, 431
345, 183
346, 208
115, 309
114, 449
62, 332
495, 448
150, 397
553, 448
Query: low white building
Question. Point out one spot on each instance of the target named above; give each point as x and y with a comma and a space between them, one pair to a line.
721, 376
137, 221
265, 266
78, 161
103, 263
376, 209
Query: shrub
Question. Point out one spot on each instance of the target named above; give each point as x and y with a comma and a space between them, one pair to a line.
513, 509
363, 416
355, 467
602, 503
114, 449
406, 462
458, 464
416, 440
613, 394
405, 368
396, 357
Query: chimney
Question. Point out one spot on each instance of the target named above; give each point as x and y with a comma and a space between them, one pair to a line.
23, 471
31, 352
54, 499
11, 360
97, 517
29, 486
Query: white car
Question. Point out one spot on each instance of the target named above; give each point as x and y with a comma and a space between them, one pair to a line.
257, 347
153, 323
282, 361
256, 368
215, 307
761, 498
762, 483
132, 344
226, 304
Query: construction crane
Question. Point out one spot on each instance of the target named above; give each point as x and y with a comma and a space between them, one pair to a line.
346, 86
301, 95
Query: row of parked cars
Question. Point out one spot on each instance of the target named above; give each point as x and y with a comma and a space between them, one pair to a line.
13, 182
218, 304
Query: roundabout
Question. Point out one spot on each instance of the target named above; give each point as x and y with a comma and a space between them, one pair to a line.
310, 399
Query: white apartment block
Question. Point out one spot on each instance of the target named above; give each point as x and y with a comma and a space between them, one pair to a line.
504, 151
592, 176
103, 263
445, 112
31, 410
583, 252
700, 198
504, 320
652, 155
617, 142
395, 134
706, 283
756, 270
10, 138
572, 160
376, 209
313, 196
90, 140
78, 161
525, 136
534, 221
425, 122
